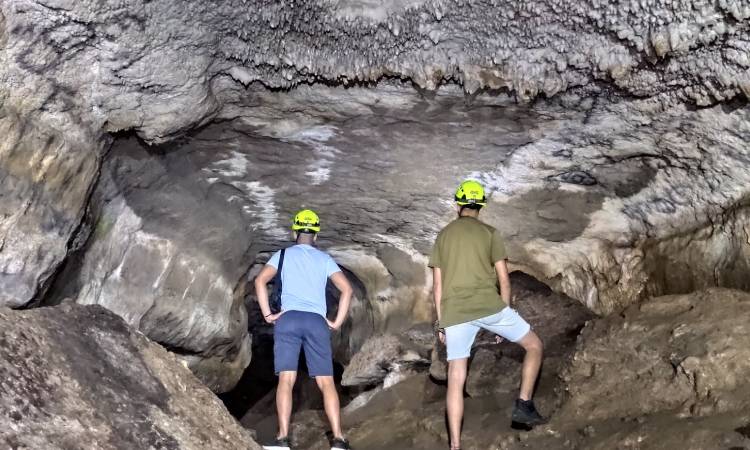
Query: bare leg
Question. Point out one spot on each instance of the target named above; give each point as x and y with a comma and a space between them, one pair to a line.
284, 400
455, 398
531, 363
331, 403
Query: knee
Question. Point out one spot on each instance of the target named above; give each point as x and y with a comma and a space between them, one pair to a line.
325, 383
286, 382
456, 375
534, 344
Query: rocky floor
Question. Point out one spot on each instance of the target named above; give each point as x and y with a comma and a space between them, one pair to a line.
612, 136
403, 391
662, 375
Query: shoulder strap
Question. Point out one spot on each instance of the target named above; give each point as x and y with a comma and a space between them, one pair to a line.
277, 281
275, 298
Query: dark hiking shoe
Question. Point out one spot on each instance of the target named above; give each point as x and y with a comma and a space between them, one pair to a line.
525, 413
340, 444
278, 444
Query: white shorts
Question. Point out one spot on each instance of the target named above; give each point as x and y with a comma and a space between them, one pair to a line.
507, 323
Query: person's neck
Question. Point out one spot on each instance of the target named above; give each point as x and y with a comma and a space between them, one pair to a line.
469, 213
304, 240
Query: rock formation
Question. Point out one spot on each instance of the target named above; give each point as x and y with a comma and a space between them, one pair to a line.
682, 353
167, 260
78, 377
611, 135
661, 375
88, 68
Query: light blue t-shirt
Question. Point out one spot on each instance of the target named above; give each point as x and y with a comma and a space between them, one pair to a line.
303, 278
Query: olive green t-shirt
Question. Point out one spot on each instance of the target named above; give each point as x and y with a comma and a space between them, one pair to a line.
466, 251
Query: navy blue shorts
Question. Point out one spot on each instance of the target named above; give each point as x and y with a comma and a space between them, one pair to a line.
298, 329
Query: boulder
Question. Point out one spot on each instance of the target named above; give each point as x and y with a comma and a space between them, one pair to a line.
79, 377
382, 358
165, 253
686, 353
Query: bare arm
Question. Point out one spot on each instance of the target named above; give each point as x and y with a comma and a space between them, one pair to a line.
437, 289
261, 292
342, 284
501, 268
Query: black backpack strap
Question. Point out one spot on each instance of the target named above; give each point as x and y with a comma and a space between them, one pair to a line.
281, 267
277, 285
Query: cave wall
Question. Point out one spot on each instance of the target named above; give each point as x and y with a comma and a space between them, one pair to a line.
167, 259
46, 176
642, 93
160, 71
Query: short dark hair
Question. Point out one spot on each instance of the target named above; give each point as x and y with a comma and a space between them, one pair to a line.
473, 206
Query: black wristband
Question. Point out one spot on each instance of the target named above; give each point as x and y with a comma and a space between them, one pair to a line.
266, 316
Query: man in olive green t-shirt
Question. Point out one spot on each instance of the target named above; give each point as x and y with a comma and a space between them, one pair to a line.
468, 261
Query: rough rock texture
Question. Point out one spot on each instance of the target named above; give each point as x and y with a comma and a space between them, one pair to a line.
166, 259
46, 176
87, 67
606, 202
157, 68
687, 353
79, 377
382, 356
669, 373
667, 212
616, 189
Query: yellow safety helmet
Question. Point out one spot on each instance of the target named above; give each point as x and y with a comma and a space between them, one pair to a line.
470, 192
306, 221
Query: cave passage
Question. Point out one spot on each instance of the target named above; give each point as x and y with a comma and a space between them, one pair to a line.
152, 154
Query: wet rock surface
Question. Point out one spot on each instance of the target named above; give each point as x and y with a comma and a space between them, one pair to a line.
78, 377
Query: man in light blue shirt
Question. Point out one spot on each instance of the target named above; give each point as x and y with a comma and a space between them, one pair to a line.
302, 322
305, 273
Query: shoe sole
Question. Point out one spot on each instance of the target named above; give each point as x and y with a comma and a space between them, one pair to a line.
275, 447
528, 422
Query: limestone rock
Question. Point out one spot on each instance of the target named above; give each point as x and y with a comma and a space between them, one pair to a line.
381, 356
46, 177
670, 184
78, 377
681, 352
667, 373
641, 175
166, 259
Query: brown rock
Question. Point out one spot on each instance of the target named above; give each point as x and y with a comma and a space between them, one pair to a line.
685, 352
79, 377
